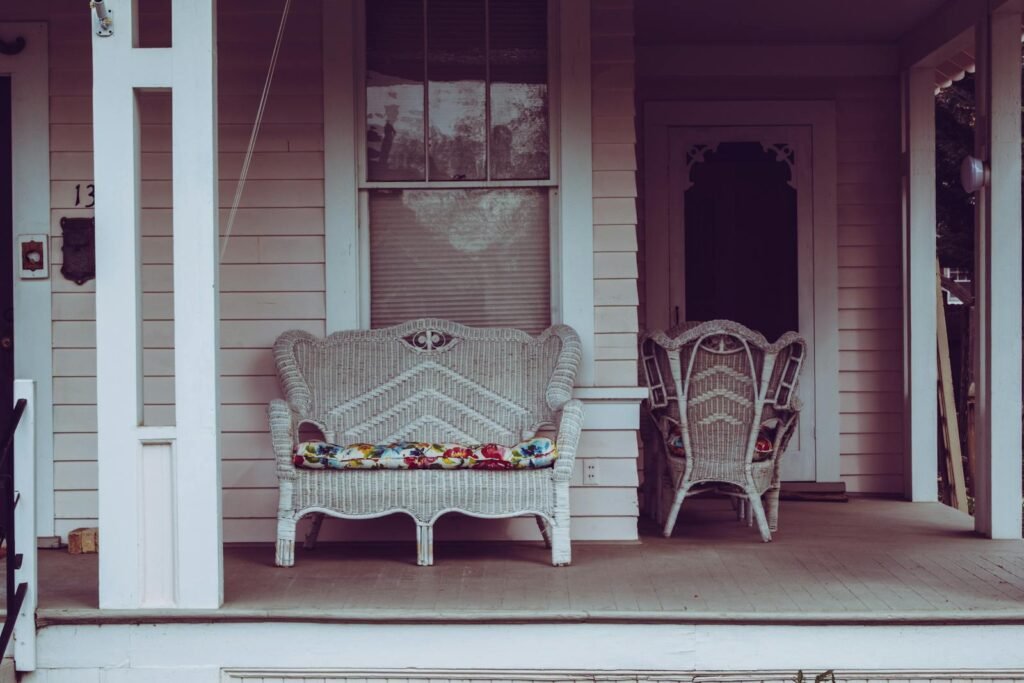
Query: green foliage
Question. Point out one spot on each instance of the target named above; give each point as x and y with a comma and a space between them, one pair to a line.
954, 138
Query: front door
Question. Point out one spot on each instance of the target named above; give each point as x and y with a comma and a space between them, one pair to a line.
740, 242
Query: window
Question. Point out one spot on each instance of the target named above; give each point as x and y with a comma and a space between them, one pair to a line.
960, 276
457, 165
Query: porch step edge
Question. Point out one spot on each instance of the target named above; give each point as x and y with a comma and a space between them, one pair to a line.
68, 617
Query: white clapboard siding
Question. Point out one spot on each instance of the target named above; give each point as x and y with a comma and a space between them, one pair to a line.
272, 276
869, 247
870, 316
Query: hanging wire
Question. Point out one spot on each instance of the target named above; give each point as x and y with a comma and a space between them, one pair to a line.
257, 124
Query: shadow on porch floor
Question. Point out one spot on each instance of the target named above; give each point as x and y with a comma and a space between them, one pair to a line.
866, 561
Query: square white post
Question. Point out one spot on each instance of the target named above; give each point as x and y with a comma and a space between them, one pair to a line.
920, 316
118, 329
196, 338
159, 486
998, 275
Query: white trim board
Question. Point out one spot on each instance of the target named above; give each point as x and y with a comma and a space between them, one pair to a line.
820, 116
33, 355
649, 647
920, 316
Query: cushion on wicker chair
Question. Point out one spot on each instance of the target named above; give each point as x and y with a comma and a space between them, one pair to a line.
764, 447
411, 455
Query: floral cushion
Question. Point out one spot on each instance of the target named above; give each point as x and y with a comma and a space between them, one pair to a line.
763, 447
412, 455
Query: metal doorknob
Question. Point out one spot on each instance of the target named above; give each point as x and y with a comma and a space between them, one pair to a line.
6, 343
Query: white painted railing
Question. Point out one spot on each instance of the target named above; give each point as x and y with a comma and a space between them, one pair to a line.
25, 526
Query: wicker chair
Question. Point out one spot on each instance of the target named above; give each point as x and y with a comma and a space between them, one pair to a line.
740, 410
433, 381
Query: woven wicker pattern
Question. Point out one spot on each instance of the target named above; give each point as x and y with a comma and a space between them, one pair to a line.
427, 380
717, 384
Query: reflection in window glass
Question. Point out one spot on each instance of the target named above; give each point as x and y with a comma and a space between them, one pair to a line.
479, 257
394, 90
519, 91
457, 69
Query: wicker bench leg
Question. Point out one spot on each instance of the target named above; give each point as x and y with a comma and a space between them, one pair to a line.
771, 508
561, 543
425, 544
754, 502
314, 531
673, 513
285, 542
545, 530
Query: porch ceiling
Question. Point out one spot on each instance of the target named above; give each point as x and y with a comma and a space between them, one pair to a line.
660, 22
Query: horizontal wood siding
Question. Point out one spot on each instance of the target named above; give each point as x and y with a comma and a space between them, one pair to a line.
870, 313
272, 273
869, 247
616, 295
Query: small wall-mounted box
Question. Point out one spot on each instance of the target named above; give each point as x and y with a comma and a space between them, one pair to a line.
33, 254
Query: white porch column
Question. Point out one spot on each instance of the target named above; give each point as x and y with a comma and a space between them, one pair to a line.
196, 330
159, 486
919, 305
998, 275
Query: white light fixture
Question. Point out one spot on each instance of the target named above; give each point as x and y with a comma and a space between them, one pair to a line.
102, 20
974, 174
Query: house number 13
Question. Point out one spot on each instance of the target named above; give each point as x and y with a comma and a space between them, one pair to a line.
90, 196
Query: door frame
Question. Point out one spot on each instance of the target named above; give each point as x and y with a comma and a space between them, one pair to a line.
820, 117
683, 142
33, 338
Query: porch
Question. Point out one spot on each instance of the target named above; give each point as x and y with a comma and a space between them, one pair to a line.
869, 562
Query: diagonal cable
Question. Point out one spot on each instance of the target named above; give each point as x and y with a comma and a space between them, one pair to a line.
257, 124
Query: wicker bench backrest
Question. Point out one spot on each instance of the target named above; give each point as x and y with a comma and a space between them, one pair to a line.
731, 380
428, 380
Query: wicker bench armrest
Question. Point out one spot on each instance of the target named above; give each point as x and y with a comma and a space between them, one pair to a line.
283, 422
569, 427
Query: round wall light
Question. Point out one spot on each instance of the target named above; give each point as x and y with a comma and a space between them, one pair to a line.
974, 174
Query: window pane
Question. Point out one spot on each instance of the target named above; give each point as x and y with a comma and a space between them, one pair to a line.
479, 257
457, 70
519, 89
394, 90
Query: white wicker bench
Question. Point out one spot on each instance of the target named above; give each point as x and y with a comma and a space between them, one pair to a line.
434, 381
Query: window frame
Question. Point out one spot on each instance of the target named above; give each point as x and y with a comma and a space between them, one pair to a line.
346, 201
367, 186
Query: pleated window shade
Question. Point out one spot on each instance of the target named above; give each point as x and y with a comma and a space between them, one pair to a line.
476, 256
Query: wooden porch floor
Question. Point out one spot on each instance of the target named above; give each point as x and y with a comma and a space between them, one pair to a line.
866, 561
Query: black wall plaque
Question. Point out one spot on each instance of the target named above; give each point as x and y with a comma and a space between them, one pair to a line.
79, 249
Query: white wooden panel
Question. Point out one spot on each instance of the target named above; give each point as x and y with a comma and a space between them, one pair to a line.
158, 524
608, 444
919, 330
72, 446
616, 373
620, 292
75, 504
246, 446
615, 238
75, 475
998, 274
272, 278
616, 319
